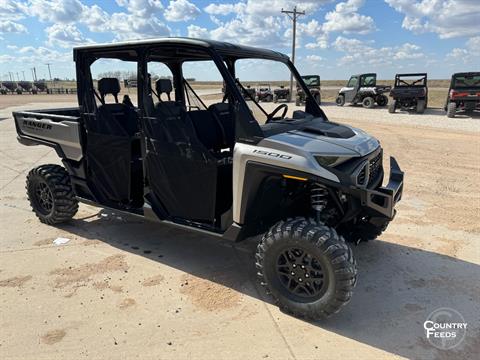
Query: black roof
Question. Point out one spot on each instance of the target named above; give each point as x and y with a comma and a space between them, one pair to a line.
223, 48
472, 73
365, 74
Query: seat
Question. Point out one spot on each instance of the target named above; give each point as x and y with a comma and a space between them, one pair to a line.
115, 118
222, 114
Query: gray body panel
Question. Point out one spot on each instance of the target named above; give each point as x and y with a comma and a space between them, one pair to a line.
295, 150
54, 129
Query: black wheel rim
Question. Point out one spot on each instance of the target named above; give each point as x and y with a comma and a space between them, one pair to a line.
301, 273
44, 198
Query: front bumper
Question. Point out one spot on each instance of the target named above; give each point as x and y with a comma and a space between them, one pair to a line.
382, 200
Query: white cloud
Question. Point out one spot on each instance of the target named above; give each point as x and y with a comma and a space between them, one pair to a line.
6, 59
447, 18
224, 9
470, 53
181, 10
12, 27
31, 54
314, 58
65, 36
141, 8
56, 11
195, 31
345, 19
261, 23
11, 10
364, 53
129, 26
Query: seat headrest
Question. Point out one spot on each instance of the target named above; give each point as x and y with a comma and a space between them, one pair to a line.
163, 86
108, 86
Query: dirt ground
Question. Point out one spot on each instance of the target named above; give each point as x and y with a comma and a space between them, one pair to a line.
124, 288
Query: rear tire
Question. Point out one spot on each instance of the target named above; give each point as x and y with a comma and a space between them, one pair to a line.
50, 194
340, 100
392, 106
420, 106
307, 268
451, 109
382, 100
368, 102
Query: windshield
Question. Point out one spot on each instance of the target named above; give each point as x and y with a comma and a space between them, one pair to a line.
311, 80
466, 81
272, 80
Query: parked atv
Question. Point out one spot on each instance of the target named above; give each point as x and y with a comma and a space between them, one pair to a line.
313, 84
410, 92
463, 94
282, 93
363, 89
264, 93
305, 183
248, 92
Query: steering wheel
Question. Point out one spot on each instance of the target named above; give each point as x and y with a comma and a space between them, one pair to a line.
271, 116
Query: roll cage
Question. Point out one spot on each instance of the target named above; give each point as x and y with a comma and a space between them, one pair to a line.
173, 52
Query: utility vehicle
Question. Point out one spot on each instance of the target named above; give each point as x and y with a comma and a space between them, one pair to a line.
463, 94
304, 182
409, 92
264, 93
313, 84
363, 89
282, 93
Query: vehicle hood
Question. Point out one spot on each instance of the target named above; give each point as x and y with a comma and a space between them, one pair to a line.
324, 137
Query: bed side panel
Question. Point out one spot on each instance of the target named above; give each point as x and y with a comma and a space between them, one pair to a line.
51, 130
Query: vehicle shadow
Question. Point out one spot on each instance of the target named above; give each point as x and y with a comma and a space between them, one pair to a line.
398, 286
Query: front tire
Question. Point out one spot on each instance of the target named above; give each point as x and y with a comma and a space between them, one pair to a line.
365, 229
451, 110
340, 100
50, 194
307, 267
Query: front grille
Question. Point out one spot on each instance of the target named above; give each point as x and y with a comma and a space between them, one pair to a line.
361, 176
375, 168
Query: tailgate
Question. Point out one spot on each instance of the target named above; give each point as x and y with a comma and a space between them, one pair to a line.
58, 131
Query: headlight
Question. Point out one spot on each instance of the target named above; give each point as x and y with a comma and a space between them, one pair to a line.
331, 161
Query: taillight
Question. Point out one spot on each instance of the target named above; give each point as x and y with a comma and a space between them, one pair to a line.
454, 94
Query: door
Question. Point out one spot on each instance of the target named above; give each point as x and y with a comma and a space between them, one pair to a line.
351, 90
181, 174
112, 147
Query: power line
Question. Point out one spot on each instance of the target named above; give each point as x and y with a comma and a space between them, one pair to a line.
293, 15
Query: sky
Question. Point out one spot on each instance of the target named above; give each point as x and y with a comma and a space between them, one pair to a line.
334, 38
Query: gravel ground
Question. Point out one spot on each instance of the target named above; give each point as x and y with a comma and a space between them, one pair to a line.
124, 288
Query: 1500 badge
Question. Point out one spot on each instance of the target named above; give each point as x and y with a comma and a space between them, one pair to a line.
272, 154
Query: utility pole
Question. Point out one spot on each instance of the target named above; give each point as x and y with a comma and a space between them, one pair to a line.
49, 73
293, 15
18, 77
35, 73
23, 72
